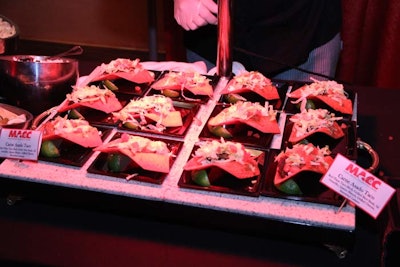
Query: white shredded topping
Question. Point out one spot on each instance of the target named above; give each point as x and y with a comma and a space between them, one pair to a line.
122, 65
246, 110
89, 94
187, 79
63, 125
327, 88
135, 112
221, 151
249, 80
295, 157
313, 119
137, 144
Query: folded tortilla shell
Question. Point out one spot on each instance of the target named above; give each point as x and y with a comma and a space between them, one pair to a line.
175, 84
237, 169
112, 104
335, 131
262, 123
173, 119
268, 92
345, 108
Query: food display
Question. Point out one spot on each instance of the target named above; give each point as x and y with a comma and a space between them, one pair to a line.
230, 142
330, 93
6, 29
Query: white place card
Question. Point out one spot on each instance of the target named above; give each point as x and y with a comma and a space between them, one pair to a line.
20, 144
354, 183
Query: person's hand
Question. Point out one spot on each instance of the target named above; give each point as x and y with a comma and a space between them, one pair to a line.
192, 14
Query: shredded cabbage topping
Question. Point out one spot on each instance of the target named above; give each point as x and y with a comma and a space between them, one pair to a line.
246, 110
187, 79
135, 112
312, 120
297, 157
122, 65
62, 125
249, 80
89, 94
138, 144
334, 90
221, 151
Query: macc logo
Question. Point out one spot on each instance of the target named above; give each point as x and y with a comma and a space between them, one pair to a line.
364, 176
20, 134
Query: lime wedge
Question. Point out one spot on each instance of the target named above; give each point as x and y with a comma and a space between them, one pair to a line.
170, 93
290, 187
114, 162
200, 177
220, 131
110, 85
49, 150
74, 114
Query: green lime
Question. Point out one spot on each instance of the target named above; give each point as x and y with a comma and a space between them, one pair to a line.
290, 187
309, 104
110, 85
75, 114
220, 131
170, 93
200, 177
131, 125
114, 162
233, 98
49, 150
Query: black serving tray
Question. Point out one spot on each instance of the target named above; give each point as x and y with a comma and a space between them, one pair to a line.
242, 133
313, 190
73, 154
224, 182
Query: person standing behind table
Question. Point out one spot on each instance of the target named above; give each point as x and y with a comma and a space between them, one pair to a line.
271, 36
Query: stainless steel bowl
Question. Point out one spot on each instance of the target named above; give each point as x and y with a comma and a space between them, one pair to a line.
36, 83
18, 111
9, 44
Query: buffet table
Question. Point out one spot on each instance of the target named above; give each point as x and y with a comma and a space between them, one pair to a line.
317, 222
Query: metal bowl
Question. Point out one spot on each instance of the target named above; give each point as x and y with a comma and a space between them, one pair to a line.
36, 83
9, 44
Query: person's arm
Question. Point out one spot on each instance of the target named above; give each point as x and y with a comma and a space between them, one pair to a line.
192, 14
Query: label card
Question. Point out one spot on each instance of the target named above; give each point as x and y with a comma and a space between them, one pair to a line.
20, 144
357, 185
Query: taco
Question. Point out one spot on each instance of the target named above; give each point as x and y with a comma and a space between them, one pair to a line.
300, 158
92, 97
262, 118
147, 154
77, 131
155, 112
329, 92
252, 81
311, 121
193, 82
230, 157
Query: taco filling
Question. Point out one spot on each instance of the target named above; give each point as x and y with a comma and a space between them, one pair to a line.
302, 157
313, 121
92, 97
154, 112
